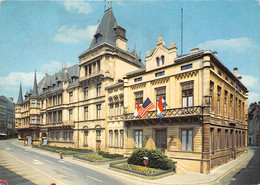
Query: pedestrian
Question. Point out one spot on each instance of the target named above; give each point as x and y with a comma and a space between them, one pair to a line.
60, 152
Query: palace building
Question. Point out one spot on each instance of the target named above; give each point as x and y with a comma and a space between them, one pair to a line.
91, 104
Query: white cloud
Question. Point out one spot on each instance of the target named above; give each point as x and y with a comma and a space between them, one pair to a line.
252, 83
74, 34
239, 45
78, 6
52, 67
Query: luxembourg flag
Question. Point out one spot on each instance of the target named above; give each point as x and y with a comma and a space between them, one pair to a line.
161, 105
136, 110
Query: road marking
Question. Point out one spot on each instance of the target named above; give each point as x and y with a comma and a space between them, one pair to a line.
66, 168
35, 161
94, 178
34, 168
61, 161
49, 161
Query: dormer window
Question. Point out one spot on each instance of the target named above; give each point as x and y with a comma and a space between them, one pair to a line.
158, 61
98, 37
162, 57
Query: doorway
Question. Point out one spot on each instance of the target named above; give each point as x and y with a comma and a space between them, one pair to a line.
161, 139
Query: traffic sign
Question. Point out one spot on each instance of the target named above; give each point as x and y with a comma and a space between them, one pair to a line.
145, 162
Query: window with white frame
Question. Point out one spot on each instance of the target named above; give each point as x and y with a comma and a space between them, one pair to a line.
138, 138
111, 109
99, 89
121, 138
187, 94
122, 108
116, 137
186, 139
110, 138
117, 109
99, 111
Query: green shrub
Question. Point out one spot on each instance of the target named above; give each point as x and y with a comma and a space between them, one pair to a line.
156, 159
108, 155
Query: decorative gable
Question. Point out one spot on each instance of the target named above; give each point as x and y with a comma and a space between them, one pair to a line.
161, 55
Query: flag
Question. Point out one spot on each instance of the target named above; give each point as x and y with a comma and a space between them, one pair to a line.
136, 110
161, 105
147, 105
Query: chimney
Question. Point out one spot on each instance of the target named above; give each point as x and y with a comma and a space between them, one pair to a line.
194, 50
240, 78
235, 71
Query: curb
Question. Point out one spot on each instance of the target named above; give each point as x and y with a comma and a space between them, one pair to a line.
150, 181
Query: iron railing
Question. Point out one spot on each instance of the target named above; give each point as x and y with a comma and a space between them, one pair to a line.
177, 112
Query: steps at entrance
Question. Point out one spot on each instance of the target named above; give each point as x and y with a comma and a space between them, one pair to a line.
180, 169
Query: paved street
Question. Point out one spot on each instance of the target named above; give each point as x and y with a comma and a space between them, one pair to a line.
26, 166
247, 173
44, 169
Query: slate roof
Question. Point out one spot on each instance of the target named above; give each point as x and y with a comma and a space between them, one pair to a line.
20, 96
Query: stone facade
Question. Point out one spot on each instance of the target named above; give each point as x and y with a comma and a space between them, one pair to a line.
254, 124
91, 104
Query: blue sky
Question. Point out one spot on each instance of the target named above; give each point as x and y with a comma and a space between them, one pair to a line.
46, 35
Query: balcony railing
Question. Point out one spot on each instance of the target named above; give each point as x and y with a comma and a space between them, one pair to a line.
177, 112
95, 73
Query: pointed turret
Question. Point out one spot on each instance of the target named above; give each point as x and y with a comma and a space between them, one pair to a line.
106, 30
20, 96
35, 89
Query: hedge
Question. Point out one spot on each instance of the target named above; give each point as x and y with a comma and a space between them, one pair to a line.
156, 159
108, 155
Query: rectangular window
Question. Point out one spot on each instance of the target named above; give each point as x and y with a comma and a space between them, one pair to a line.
70, 96
65, 135
116, 137
71, 115
121, 138
122, 108
98, 89
86, 93
186, 67
86, 113
59, 116
226, 138
110, 138
186, 139
57, 135
230, 106
225, 103
161, 91
138, 79
99, 111
98, 65
139, 97
52, 135
219, 139
187, 94
71, 136
159, 74
138, 138
98, 135
218, 100
212, 139
85, 137
60, 99
212, 96
54, 117
86, 70
111, 109
117, 108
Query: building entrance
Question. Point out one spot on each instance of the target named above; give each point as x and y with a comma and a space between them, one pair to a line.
161, 139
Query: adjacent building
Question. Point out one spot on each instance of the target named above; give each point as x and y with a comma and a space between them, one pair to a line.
254, 124
90, 105
7, 121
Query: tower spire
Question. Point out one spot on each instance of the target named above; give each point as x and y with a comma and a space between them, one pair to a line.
20, 96
35, 89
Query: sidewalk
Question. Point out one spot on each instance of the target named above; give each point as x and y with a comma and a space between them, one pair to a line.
187, 178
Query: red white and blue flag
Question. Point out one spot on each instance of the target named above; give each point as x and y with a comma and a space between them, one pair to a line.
147, 105
136, 110
161, 105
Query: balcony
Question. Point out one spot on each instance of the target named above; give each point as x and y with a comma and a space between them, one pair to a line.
60, 124
169, 113
94, 75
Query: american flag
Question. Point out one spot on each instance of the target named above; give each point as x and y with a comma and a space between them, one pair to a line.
147, 105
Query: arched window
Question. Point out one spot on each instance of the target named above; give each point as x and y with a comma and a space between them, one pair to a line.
116, 137
162, 57
158, 61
